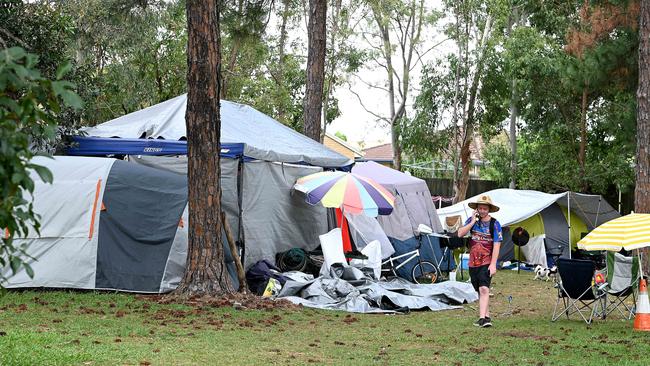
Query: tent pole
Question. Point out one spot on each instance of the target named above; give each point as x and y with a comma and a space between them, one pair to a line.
240, 213
600, 198
568, 199
618, 186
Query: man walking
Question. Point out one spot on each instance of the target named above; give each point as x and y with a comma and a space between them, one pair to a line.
484, 245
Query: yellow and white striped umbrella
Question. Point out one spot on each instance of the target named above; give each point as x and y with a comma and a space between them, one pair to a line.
628, 232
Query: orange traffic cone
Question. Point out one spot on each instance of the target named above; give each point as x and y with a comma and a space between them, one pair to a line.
642, 319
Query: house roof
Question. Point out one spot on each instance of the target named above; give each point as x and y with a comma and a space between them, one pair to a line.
382, 152
343, 144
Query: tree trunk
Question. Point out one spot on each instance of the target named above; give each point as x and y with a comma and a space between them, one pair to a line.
513, 21
454, 116
332, 64
387, 53
315, 68
281, 55
642, 190
205, 272
465, 43
468, 130
230, 69
513, 133
583, 136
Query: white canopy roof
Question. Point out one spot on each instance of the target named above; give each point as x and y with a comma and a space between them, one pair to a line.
518, 205
263, 137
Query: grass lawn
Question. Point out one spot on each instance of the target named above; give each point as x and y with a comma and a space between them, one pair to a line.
97, 328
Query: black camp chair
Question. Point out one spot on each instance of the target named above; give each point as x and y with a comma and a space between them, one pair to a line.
576, 290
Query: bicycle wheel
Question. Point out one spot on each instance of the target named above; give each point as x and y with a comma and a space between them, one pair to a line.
425, 272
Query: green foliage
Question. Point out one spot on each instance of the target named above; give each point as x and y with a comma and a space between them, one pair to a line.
29, 105
549, 86
126, 55
341, 135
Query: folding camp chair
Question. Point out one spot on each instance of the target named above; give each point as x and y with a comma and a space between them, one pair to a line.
576, 291
622, 281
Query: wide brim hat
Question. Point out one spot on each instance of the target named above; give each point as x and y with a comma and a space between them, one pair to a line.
484, 200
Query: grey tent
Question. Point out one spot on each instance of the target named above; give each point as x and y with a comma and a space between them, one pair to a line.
106, 224
260, 161
413, 204
413, 207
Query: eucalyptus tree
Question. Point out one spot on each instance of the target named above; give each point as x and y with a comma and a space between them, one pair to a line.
397, 36
642, 190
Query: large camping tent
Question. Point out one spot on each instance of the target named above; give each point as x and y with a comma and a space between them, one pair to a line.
545, 216
106, 224
261, 160
413, 206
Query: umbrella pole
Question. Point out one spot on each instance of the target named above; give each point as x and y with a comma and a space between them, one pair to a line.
345, 236
638, 254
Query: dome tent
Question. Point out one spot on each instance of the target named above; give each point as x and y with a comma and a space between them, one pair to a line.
544, 215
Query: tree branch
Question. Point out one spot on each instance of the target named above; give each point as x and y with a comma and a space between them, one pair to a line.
364, 106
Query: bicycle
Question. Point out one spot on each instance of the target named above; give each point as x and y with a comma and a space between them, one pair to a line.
424, 271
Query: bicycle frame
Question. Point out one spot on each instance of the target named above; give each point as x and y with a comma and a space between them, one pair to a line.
413, 254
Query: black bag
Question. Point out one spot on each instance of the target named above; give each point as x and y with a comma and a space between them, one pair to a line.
258, 276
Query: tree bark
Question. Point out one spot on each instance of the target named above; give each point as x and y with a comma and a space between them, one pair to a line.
454, 116
642, 190
331, 69
583, 136
282, 41
468, 130
388, 56
230, 68
513, 133
241, 275
315, 68
205, 272
513, 21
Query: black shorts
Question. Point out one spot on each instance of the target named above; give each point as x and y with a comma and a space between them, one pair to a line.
480, 276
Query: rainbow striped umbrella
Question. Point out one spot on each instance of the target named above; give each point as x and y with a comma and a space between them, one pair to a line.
628, 232
350, 192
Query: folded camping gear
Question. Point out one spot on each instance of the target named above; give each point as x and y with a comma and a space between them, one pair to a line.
259, 274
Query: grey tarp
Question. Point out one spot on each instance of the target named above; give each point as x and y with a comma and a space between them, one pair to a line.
275, 219
351, 291
365, 229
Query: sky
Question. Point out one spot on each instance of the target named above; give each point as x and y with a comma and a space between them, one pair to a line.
361, 127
